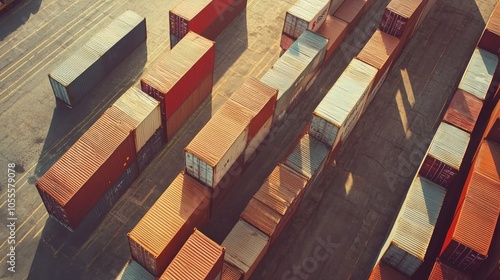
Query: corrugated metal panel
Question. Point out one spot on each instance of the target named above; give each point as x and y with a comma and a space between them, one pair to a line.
441, 271
208, 156
449, 145
281, 188
378, 49
333, 29
307, 156
400, 17
419, 213
490, 40
479, 73
492, 132
351, 11
487, 160
259, 99
262, 217
295, 68
384, 272
340, 109
160, 234
463, 110
245, 246
144, 111
257, 139
200, 258
176, 75
229, 272
134, 271
305, 15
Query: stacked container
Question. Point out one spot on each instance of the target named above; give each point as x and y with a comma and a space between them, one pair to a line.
200, 258
85, 173
206, 17
463, 110
134, 271
303, 15
445, 155
412, 232
245, 247
160, 234
441, 271
479, 74
260, 100
81, 72
340, 109
181, 80
334, 30
380, 52
275, 202
351, 11
294, 69
469, 237
400, 18
230, 272
384, 272
490, 39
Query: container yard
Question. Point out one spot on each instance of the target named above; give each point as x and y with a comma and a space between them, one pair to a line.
250, 139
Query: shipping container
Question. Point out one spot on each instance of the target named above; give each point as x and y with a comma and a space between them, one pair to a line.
257, 140
334, 30
487, 160
381, 51
441, 271
400, 18
305, 15
200, 258
209, 156
160, 234
338, 112
492, 132
152, 148
177, 74
134, 271
490, 39
262, 217
207, 17
76, 182
463, 110
352, 11
384, 272
442, 162
294, 69
414, 226
189, 106
143, 114
245, 247
479, 73
230, 272
82, 71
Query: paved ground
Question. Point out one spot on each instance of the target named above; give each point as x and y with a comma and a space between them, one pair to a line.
353, 207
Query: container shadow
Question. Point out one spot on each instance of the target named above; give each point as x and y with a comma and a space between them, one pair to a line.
18, 13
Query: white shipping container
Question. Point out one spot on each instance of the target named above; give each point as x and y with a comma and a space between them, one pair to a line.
479, 73
341, 108
305, 15
258, 138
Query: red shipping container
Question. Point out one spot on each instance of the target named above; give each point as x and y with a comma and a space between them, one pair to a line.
463, 110
441, 271
199, 259
182, 114
492, 132
179, 73
400, 18
230, 272
333, 29
167, 225
351, 11
76, 182
383, 271
207, 17
490, 39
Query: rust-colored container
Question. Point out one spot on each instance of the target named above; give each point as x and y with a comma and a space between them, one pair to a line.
351, 11
380, 52
490, 39
492, 132
76, 182
463, 110
200, 258
186, 110
262, 217
400, 18
333, 29
487, 160
441, 271
179, 73
229, 272
383, 271
167, 225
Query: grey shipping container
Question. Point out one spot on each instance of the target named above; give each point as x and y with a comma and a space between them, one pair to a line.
82, 71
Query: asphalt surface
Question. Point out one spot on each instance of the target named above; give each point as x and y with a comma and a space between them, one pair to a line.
352, 208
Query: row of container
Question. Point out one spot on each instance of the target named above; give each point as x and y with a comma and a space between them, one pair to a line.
207, 18
83, 70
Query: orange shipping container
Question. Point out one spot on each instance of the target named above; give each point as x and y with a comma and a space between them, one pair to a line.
333, 29
490, 40
351, 11
441, 271
199, 259
383, 271
230, 272
160, 234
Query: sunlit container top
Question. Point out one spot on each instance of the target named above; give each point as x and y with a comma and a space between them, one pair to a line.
200, 258
441, 271
404, 8
188, 9
229, 272
253, 95
378, 49
487, 160
305, 14
261, 216
134, 271
383, 271
463, 110
449, 145
243, 245
144, 112
479, 73
307, 156
417, 218
493, 24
